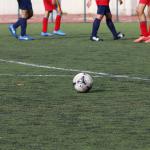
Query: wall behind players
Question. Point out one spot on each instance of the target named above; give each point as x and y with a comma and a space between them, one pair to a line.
69, 6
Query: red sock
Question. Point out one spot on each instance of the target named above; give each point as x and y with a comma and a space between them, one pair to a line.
57, 22
45, 24
143, 28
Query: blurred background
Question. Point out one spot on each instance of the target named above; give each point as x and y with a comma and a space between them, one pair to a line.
74, 10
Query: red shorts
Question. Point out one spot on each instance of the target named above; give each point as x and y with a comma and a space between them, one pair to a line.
48, 5
147, 2
102, 2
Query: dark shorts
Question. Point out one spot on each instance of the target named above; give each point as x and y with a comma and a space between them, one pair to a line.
103, 10
25, 4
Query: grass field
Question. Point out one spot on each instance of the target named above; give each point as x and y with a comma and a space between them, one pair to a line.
40, 110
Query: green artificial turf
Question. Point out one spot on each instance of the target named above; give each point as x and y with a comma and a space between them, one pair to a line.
40, 110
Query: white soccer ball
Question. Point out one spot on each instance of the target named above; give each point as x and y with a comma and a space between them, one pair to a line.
120, 35
82, 82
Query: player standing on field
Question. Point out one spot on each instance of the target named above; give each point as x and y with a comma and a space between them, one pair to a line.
25, 7
103, 10
51, 5
145, 34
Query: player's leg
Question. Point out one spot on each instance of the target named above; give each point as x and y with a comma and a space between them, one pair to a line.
111, 26
45, 24
97, 22
148, 9
48, 10
13, 27
142, 20
25, 15
57, 30
29, 14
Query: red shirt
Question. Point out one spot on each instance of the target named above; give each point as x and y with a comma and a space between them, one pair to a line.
102, 2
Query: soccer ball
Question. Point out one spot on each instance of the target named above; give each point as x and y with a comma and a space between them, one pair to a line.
120, 35
82, 82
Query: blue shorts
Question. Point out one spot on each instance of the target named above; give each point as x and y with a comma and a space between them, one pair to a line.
103, 10
25, 4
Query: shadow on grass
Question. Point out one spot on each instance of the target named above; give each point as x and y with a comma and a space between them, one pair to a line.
97, 90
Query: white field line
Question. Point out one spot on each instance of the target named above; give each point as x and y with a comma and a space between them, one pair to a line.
35, 75
95, 74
